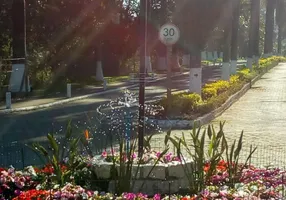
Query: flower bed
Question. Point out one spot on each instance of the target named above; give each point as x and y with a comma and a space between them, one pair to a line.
252, 183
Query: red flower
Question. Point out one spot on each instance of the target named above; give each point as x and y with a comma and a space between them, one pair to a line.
207, 167
222, 166
32, 195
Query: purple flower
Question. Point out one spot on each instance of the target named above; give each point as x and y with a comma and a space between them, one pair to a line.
17, 192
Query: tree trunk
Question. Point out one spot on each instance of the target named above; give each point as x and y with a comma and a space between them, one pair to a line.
227, 27
99, 70
269, 28
280, 20
226, 56
256, 26
19, 29
253, 43
279, 41
234, 36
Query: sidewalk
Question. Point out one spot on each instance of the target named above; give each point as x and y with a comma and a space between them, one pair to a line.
261, 114
58, 98
31, 103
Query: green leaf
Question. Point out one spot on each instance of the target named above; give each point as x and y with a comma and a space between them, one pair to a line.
69, 130
239, 146
202, 144
210, 133
174, 142
168, 134
232, 151
54, 145
41, 152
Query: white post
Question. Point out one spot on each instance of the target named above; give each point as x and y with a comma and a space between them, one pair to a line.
69, 90
249, 63
104, 84
133, 78
8, 100
195, 84
225, 69
256, 60
233, 66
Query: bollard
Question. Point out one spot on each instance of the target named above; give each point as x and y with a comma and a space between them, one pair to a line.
132, 77
69, 90
8, 100
104, 84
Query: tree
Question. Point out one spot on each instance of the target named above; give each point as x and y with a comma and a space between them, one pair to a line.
269, 27
280, 20
197, 18
234, 35
253, 43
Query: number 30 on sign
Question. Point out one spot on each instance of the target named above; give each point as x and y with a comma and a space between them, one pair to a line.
169, 34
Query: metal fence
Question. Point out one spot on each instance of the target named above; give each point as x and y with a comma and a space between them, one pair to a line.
264, 155
20, 154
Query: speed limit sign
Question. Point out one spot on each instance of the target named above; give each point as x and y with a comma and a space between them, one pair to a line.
169, 34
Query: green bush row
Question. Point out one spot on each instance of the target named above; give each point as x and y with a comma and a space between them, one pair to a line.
191, 105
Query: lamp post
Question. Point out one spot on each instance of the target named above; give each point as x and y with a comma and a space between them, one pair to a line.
143, 39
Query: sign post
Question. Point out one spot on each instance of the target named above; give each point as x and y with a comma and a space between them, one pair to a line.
169, 35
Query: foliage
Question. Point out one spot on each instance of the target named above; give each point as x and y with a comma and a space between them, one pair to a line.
182, 102
215, 102
13, 182
196, 150
232, 158
124, 160
63, 159
216, 93
220, 86
206, 150
208, 92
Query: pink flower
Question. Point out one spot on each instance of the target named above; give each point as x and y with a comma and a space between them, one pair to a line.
134, 156
157, 197
104, 154
158, 154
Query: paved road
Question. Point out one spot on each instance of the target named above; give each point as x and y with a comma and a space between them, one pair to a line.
261, 114
36, 124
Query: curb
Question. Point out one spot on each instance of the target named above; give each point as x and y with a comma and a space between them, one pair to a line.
189, 124
64, 101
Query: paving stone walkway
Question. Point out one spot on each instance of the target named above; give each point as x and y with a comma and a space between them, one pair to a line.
261, 114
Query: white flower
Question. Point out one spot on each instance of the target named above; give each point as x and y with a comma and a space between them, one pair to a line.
38, 187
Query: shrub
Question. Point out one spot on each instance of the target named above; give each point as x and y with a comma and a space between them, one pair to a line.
244, 74
216, 93
217, 101
182, 103
220, 86
208, 92
234, 79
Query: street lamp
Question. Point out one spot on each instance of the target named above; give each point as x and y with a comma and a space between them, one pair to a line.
143, 40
